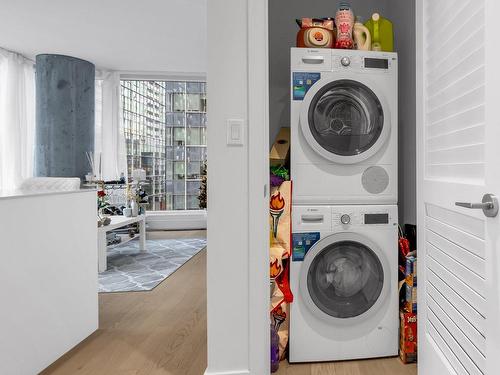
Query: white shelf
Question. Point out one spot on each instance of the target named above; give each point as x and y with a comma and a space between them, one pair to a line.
125, 238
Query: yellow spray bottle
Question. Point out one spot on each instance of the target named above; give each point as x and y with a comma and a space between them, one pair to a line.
382, 33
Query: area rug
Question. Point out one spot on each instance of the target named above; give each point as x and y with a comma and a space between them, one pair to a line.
130, 270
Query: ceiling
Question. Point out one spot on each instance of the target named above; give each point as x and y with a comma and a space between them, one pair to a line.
161, 36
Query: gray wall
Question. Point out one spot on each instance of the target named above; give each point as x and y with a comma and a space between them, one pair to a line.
402, 14
282, 33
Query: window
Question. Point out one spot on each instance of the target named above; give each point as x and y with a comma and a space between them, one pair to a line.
165, 134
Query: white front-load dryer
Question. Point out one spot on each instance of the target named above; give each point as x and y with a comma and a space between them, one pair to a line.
344, 279
344, 126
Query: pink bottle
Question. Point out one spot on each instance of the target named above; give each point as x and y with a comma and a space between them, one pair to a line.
344, 20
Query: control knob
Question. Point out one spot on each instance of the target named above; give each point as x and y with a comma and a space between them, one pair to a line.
345, 61
345, 219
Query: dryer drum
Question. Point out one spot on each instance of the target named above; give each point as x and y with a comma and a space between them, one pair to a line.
345, 279
346, 117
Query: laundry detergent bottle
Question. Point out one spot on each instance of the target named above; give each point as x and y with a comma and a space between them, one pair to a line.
362, 37
382, 33
344, 20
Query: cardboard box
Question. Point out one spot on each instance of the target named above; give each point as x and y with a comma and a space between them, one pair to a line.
281, 148
410, 304
411, 271
408, 337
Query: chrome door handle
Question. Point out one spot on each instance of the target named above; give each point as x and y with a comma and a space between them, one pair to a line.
489, 205
473, 206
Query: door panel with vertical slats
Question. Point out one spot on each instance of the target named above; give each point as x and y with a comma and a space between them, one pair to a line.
453, 115
454, 89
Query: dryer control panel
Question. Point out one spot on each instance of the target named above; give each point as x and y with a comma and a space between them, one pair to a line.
361, 61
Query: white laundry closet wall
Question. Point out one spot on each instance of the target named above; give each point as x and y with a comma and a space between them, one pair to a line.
282, 34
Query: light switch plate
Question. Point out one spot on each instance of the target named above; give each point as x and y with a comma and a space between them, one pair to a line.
235, 132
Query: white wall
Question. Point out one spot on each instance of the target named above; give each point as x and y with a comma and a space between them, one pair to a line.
126, 35
48, 274
238, 233
282, 33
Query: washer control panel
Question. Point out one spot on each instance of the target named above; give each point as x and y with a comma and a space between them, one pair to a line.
348, 218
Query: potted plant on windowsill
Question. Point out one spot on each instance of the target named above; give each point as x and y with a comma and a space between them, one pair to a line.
102, 203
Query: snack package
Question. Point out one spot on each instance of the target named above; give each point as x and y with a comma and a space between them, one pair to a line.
410, 304
280, 251
408, 337
279, 319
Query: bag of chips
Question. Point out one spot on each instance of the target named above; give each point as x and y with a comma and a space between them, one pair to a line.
280, 251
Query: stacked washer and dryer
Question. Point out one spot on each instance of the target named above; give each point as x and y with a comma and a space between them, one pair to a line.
344, 155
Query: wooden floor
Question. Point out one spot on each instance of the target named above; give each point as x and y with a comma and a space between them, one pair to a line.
148, 333
164, 332
385, 366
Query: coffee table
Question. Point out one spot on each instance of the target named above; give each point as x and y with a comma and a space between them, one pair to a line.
119, 222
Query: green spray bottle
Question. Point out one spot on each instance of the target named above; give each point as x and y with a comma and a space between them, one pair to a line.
382, 33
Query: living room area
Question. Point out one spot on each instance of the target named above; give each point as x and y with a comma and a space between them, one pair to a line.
103, 186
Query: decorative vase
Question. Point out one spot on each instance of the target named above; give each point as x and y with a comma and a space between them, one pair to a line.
135, 207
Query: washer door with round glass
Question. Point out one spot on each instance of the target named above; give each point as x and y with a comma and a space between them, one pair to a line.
345, 120
344, 279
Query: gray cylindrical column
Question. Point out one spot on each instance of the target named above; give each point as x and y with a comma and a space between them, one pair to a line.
65, 91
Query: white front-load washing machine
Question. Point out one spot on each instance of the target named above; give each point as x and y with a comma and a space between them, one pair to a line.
344, 123
343, 276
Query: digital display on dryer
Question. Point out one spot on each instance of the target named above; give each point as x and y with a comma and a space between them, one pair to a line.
376, 63
376, 218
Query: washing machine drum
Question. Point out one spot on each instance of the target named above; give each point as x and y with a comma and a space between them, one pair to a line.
344, 121
345, 279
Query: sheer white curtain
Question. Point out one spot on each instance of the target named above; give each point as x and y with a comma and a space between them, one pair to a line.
109, 135
17, 119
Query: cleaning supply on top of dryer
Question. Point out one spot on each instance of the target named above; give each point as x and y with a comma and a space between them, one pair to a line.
315, 33
382, 34
362, 37
344, 21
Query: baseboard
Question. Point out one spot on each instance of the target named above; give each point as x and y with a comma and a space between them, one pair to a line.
176, 220
238, 372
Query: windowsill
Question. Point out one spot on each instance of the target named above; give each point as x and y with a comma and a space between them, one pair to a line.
176, 220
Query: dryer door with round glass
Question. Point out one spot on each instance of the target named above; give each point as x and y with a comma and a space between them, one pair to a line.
345, 120
344, 280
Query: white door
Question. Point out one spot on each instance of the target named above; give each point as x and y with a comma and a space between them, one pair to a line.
458, 156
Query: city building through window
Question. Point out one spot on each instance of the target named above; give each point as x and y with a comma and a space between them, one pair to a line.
165, 133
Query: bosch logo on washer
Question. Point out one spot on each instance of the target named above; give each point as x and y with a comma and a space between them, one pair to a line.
302, 242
